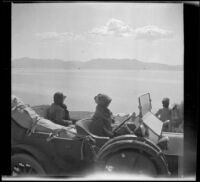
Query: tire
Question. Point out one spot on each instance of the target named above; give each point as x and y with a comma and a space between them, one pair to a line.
25, 165
131, 162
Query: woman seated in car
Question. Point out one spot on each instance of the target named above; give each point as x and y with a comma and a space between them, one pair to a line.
58, 112
102, 118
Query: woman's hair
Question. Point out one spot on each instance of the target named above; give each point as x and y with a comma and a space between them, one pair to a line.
102, 99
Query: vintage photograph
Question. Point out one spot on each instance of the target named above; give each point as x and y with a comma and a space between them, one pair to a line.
97, 90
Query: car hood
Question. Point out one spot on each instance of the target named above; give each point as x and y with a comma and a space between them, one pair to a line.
175, 144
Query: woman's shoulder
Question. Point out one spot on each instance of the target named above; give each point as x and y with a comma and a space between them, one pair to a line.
56, 107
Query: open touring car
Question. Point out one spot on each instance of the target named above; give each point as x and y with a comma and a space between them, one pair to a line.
77, 151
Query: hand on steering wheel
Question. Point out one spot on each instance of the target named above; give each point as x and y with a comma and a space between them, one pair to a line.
128, 129
133, 116
124, 123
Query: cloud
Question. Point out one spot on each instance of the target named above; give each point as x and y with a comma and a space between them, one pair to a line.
113, 27
152, 33
58, 37
47, 35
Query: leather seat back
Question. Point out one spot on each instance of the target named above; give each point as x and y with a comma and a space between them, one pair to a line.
83, 127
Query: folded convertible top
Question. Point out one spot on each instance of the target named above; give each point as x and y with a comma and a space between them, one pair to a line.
27, 118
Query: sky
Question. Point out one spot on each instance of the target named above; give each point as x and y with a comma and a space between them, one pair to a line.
149, 32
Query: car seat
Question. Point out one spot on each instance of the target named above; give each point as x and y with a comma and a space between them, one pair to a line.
83, 128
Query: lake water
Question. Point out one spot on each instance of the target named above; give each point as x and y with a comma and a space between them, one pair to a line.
123, 86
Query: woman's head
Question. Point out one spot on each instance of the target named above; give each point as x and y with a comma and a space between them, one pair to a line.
165, 102
103, 100
59, 98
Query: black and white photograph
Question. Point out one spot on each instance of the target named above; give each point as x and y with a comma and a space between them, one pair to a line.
97, 90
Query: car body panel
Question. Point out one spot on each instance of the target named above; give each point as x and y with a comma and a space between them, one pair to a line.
175, 144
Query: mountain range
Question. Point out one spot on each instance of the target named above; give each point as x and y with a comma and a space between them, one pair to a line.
101, 63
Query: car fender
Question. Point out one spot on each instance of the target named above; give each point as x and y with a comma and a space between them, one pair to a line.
134, 144
131, 137
44, 160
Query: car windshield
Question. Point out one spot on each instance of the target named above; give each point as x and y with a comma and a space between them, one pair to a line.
145, 103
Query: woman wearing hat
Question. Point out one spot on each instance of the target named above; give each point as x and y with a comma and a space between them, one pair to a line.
102, 118
58, 112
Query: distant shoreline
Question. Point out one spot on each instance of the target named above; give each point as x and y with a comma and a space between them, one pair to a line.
85, 69
95, 64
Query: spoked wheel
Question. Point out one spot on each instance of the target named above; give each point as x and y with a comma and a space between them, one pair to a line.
131, 162
25, 165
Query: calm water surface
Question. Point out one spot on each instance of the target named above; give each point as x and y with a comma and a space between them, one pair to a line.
123, 86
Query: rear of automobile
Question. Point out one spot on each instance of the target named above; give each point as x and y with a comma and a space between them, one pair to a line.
174, 153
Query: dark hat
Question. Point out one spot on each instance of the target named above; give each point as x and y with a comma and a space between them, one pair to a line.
59, 96
102, 99
165, 101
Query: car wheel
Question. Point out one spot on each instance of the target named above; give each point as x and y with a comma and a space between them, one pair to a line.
131, 162
24, 164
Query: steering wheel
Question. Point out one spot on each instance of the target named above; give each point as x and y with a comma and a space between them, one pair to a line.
124, 123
